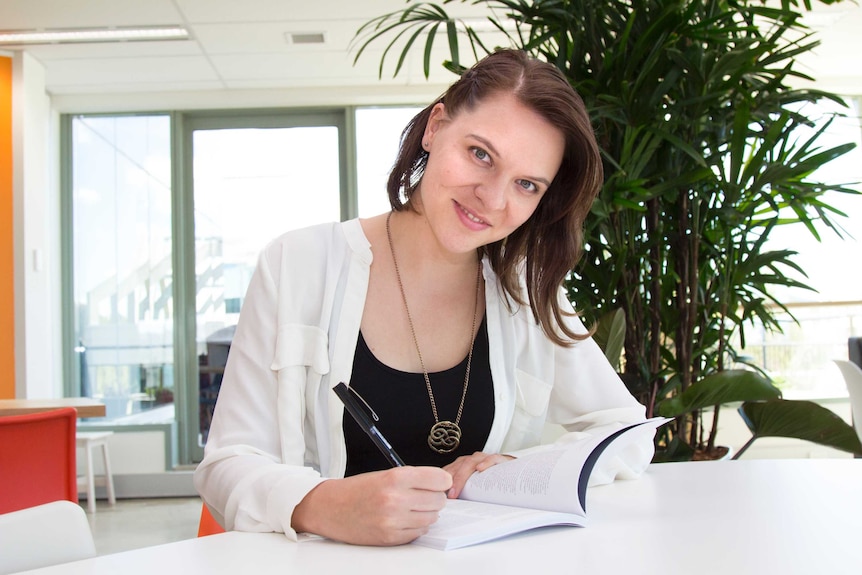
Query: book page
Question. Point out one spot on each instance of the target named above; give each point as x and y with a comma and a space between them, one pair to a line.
553, 480
465, 523
546, 480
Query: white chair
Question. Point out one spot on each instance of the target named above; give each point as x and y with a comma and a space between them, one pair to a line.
853, 379
47, 534
90, 441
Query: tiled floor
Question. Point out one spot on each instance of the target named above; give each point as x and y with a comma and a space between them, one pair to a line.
135, 523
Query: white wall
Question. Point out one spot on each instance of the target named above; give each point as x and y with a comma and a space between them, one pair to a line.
38, 367
377, 95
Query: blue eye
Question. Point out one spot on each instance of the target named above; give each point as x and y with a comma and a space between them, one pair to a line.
528, 185
480, 154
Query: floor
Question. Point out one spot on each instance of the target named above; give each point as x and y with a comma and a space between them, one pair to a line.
136, 523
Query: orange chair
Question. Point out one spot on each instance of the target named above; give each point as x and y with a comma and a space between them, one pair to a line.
37, 459
208, 525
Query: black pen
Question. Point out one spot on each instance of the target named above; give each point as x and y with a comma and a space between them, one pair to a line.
365, 423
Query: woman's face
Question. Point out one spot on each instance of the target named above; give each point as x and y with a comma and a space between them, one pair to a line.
487, 170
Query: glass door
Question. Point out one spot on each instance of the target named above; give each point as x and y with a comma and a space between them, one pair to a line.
250, 183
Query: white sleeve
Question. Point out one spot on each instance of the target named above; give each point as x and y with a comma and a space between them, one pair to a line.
251, 476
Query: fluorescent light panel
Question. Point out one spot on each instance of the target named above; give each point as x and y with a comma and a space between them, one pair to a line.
73, 35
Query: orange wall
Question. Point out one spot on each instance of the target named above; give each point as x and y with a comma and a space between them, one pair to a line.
7, 291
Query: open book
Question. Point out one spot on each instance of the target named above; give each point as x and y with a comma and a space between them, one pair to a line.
537, 490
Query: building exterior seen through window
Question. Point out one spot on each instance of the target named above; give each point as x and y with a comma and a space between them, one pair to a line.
250, 185
121, 226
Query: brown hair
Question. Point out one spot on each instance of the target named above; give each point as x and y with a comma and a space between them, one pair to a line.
550, 242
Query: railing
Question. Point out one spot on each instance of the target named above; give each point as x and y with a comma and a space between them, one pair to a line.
800, 359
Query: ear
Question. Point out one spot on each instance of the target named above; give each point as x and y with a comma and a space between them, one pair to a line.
435, 121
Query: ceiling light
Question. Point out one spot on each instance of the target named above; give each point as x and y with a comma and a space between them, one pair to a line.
71, 35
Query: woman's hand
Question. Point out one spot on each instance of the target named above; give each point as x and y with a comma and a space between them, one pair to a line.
388, 507
462, 468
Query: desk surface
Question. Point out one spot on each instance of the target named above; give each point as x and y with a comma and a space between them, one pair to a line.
87, 407
740, 517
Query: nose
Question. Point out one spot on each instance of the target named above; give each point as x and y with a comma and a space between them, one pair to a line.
492, 193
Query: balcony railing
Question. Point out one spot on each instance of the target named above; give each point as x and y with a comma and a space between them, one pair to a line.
800, 360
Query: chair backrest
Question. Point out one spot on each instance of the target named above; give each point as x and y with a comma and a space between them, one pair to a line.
44, 535
853, 379
37, 459
208, 525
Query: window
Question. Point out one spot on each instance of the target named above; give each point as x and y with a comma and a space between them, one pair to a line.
121, 229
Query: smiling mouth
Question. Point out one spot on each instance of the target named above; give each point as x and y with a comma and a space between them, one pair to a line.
472, 217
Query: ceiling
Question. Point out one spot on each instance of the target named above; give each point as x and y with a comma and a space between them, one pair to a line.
242, 45
235, 44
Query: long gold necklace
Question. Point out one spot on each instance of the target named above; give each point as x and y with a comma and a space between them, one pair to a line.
445, 436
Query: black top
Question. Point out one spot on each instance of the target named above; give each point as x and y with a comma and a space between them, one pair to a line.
400, 400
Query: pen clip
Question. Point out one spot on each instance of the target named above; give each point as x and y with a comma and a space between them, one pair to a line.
362, 399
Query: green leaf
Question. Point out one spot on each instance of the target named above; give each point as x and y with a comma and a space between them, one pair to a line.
610, 335
429, 45
677, 451
800, 419
423, 18
718, 388
452, 34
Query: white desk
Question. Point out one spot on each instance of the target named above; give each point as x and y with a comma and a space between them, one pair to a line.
731, 517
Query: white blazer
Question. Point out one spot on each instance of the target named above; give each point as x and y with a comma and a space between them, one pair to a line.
276, 432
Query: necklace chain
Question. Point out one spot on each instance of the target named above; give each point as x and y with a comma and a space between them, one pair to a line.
445, 436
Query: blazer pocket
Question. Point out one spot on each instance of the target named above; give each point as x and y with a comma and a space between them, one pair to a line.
533, 393
301, 345
531, 408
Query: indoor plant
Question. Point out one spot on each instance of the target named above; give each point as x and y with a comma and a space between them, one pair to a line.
701, 135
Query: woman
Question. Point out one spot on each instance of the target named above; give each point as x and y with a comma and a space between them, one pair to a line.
446, 316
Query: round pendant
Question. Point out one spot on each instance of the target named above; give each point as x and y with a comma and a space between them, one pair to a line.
444, 437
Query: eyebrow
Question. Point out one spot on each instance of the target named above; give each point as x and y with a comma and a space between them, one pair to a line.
493, 150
